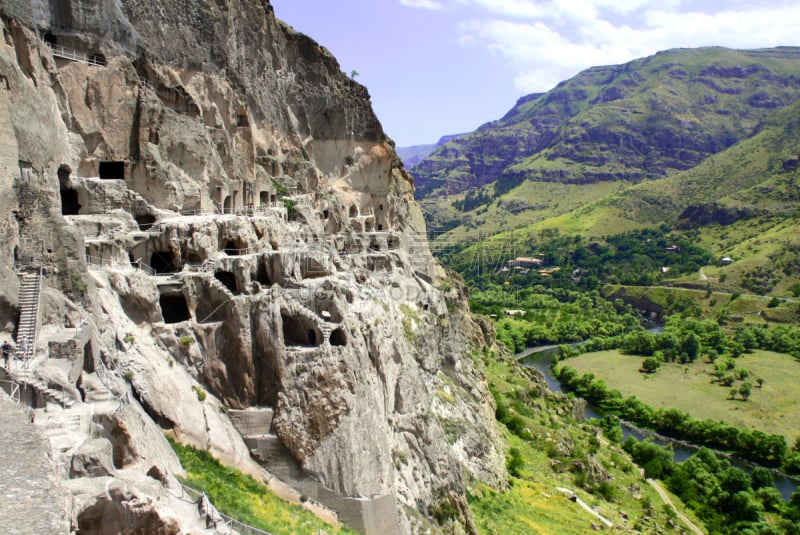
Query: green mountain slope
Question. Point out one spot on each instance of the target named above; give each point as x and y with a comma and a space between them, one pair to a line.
607, 128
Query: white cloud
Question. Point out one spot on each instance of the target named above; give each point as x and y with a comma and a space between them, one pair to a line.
551, 41
433, 5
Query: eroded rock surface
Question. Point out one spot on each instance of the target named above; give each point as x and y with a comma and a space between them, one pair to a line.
221, 223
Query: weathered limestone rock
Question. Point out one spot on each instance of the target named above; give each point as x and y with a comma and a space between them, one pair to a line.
224, 224
92, 459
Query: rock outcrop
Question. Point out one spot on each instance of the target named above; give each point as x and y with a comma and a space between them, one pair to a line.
221, 222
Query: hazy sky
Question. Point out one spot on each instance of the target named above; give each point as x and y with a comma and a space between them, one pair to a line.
437, 67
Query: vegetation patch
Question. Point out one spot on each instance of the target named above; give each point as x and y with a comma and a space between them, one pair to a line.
242, 497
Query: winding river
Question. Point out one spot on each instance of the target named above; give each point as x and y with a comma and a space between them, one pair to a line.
540, 358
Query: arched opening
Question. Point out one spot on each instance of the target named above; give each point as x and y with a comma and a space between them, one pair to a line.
69, 202
263, 198
50, 39
261, 274
97, 59
112, 170
88, 358
234, 248
228, 279
353, 211
174, 308
163, 262
226, 205
338, 338
325, 214
348, 160
242, 121
380, 207
297, 331
145, 221
393, 242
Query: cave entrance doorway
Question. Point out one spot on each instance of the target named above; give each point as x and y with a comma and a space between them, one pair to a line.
145, 221
338, 338
162, 262
261, 274
174, 308
226, 205
263, 198
88, 358
297, 332
228, 279
112, 170
69, 202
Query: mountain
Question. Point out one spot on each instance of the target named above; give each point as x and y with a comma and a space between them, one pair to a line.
600, 132
414, 154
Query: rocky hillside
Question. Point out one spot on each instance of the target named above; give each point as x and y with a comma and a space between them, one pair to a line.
603, 130
202, 219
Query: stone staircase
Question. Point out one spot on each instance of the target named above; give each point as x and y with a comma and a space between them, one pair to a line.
27, 379
372, 516
30, 292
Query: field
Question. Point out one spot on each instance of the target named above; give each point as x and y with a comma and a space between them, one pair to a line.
773, 408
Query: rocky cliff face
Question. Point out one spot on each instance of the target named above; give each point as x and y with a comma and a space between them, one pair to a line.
215, 207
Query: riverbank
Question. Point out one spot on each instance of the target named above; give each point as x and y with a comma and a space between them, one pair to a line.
540, 358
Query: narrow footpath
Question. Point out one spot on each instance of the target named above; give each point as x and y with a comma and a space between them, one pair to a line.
29, 492
664, 496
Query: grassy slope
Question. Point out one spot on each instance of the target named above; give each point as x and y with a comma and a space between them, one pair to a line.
533, 504
774, 408
667, 111
245, 499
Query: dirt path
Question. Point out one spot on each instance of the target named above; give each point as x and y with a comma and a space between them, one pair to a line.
586, 506
661, 492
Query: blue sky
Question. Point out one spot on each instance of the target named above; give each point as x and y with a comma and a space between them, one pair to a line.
438, 67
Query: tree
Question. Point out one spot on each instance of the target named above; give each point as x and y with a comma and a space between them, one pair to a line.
692, 347
650, 365
354, 73
760, 381
745, 390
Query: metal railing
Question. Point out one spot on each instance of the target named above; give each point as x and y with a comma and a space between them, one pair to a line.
12, 390
73, 55
213, 517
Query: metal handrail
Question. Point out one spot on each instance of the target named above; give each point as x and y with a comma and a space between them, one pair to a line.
14, 393
73, 55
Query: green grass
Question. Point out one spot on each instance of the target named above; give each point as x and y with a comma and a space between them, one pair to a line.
242, 497
533, 503
774, 408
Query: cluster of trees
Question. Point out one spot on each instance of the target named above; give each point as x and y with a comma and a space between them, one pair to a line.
473, 199
757, 446
552, 315
633, 258
725, 497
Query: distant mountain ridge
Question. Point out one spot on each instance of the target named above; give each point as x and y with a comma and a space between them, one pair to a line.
602, 131
414, 154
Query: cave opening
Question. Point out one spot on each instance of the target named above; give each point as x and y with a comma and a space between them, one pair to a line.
69, 202
261, 274
112, 170
228, 279
353, 211
174, 308
145, 221
297, 332
232, 248
338, 338
393, 242
88, 358
263, 198
226, 205
50, 39
97, 59
162, 262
